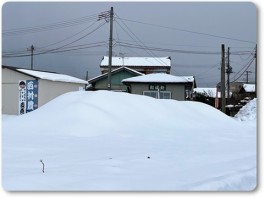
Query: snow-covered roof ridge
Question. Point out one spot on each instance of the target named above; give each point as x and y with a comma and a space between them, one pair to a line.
160, 78
52, 76
115, 70
249, 87
137, 61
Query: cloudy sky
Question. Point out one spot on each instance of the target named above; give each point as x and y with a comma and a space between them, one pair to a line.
68, 37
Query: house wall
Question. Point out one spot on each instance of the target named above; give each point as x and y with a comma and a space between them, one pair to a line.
10, 89
48, 90
116, 81
177, 90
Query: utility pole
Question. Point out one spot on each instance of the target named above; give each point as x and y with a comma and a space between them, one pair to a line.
256, 73
32, 48
223, 78
87, 75
109, 83
247, 73
228, 71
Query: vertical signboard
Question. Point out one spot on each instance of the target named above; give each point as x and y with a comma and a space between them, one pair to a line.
22, 97
28, 96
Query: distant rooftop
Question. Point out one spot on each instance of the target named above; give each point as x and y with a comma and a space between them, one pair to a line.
209, 92
48, 75
249, 87
160, 78
137, 61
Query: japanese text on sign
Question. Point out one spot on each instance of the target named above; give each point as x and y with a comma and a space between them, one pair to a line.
157, 87
28, 96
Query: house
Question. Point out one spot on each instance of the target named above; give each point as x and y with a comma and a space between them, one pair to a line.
207, 92
117, 75
248, 88
161, 85
242, 90
25, 90
145, 65
208, 96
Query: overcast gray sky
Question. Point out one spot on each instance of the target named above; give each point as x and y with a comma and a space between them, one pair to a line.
191, 33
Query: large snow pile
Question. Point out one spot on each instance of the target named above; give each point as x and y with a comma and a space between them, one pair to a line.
248, 112
121, 142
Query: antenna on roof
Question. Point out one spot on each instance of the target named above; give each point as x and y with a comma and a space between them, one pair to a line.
32, 48
123, 57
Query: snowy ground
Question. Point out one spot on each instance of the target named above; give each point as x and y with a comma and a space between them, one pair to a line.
106, 141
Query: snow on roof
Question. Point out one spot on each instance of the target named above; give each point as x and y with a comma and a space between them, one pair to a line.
137, 61
52, 76
160, 78
209, 92
249, 87
115, 70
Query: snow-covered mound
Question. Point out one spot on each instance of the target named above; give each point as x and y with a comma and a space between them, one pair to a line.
117, 141
248, 112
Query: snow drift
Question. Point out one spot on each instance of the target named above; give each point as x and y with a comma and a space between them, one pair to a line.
248, 112
111, 141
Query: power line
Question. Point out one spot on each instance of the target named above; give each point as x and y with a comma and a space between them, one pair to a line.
148, 51
247, 66
214, 66
178, 50
55, 49
98, 27
166, 49
5, 53
70, 48
189, 31
69, 36
52, 26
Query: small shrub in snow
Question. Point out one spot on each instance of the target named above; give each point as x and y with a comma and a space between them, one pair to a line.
43, 165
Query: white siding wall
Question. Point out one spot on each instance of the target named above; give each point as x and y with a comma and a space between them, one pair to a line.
10, 81
177, 90
47, 91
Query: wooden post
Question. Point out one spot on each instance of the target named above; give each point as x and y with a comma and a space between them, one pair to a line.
216, 97
223, 79
109, 81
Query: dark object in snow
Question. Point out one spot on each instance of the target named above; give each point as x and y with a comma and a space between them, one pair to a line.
148, 157
110, 158
42, 166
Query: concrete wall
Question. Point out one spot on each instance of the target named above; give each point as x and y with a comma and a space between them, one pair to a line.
177, 90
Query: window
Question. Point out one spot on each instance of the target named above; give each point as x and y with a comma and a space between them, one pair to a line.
165, 95
154, 94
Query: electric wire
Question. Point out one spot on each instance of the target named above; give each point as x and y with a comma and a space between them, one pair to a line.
68, 37
247, 66
5, 53
189, 31
52, 26
71, 48
148, 51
